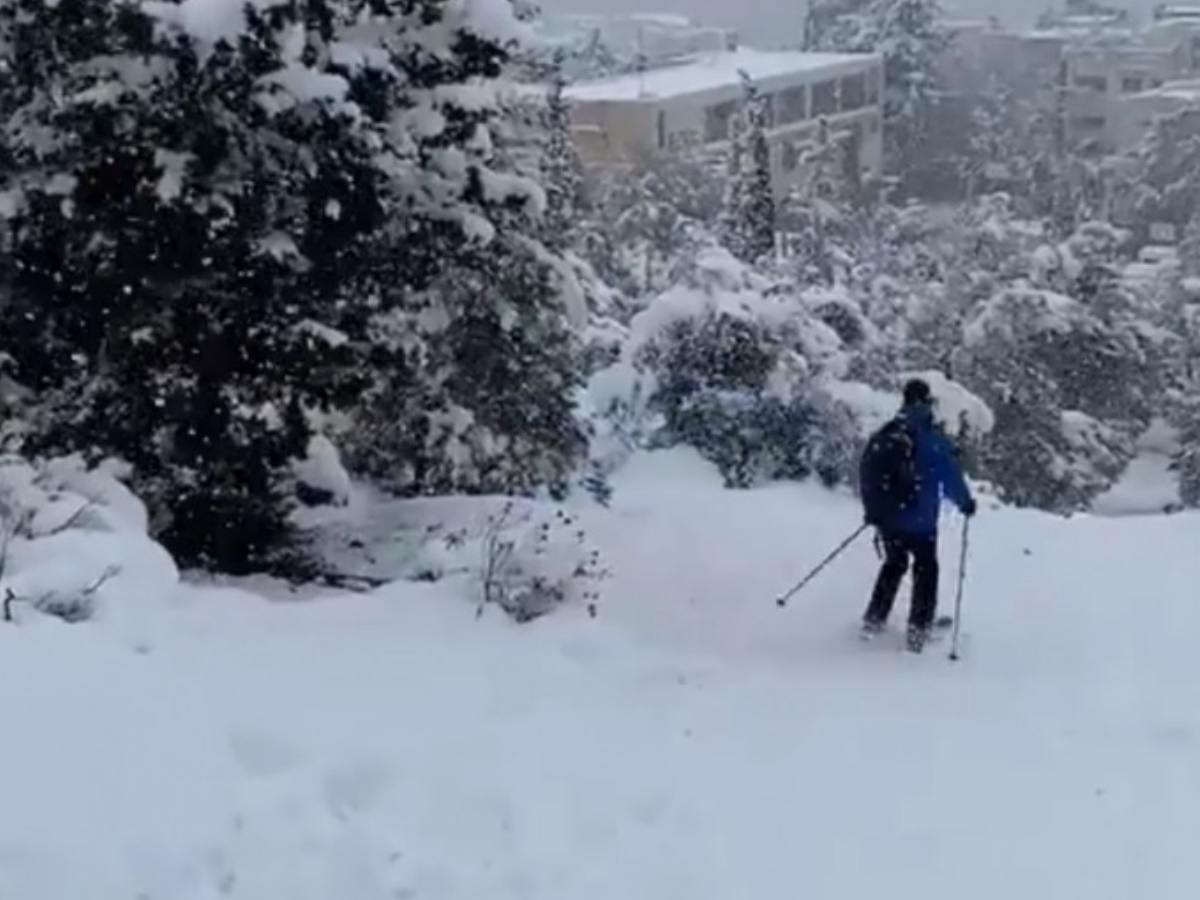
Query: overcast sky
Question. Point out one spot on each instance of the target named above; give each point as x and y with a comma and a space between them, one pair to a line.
767, 22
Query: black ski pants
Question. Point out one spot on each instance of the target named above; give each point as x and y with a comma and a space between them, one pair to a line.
898, 550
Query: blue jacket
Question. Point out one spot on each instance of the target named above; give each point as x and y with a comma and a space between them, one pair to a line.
938, 472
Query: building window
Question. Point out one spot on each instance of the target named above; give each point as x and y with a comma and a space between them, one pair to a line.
854, 92
1090, 123
793, 105
662, 130
1132, 84
873, 125
824, 98
874, 77
1096, 83
716, 121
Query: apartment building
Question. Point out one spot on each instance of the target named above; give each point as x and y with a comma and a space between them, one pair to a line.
693, 104
1136, 115
1090, 72
1100, 76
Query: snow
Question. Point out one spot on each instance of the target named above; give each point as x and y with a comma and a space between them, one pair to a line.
692, 740
1148, 486
210, 21
714, 71
174, 171
956, 406
323, 470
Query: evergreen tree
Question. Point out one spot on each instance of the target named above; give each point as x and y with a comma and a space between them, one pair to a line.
834, 25
642, 223
477, 392
814, 214
908, 34
219, 235
1167, 180
561, 170
154, 265
749, 217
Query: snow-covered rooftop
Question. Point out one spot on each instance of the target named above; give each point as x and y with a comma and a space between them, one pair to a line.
1187, 91
1167, 13
710, 72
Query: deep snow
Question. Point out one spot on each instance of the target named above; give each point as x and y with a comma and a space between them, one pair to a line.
692, 741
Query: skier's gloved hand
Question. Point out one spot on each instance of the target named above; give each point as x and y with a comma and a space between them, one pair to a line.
970, 507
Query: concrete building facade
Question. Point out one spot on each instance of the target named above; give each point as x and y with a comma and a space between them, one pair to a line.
620, 121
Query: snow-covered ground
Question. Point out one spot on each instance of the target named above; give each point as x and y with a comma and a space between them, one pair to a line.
1148, 487
692, 741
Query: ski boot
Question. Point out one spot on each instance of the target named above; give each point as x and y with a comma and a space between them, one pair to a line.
917, 637
871, 629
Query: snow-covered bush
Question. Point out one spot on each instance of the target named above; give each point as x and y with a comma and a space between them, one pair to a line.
72, 537
734, 364
722, 389
1067, 391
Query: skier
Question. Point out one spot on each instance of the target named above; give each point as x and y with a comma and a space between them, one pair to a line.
907, 467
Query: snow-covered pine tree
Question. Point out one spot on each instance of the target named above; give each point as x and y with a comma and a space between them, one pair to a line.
561, 169
155, 264
909, 35
911, 39
749, 217
641, 224
1168, 172
833, 25
1067, 389
474, 390
231, 224
813, 214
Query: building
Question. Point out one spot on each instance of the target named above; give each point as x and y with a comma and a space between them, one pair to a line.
623, 120
1083, 70
1137, 114
1101, 76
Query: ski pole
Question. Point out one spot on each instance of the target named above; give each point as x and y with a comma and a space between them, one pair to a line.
782, 601
962, 574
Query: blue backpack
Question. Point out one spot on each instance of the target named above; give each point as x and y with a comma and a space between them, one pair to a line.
888, 478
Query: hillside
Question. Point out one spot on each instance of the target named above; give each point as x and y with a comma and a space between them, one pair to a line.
692, 740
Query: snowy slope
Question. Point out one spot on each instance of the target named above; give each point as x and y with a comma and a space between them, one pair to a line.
694, 741
1148, 486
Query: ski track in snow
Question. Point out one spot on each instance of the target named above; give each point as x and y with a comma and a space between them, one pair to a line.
694, 741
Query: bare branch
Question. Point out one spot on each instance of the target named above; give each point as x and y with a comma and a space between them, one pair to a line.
71, 521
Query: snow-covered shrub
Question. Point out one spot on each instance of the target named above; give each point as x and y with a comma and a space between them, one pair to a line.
1068, 394
715, 393
321, 479
527, 558
734, 364
72, 536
